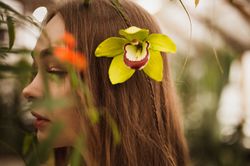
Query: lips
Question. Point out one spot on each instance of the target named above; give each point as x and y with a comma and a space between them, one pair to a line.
40, 121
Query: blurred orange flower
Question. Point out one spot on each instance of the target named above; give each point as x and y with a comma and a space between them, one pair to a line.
74, 58
69, 55
69, 40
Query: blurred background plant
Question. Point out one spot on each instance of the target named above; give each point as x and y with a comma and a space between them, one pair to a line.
210, 70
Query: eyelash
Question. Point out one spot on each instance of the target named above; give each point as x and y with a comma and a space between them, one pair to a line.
53, 71
58, 72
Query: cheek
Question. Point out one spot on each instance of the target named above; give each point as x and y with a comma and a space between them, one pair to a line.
66, 115
60, 88
70, 120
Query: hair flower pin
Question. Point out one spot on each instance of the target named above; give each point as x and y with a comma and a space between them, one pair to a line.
137, 50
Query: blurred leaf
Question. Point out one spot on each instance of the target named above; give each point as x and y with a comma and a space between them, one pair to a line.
51, 104
11, 31
115, 131
7, 7
86, 2
1, 21
14, 51
3, 55
75, 158
74, 78
45, 147
18, 68
27, 143
1, 16
25, 18
196, 2
93, 114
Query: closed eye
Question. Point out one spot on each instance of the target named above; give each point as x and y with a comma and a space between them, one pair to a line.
57, 71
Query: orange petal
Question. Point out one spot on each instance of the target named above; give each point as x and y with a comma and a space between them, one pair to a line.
69, 40
62, 53
76, 59
79, 61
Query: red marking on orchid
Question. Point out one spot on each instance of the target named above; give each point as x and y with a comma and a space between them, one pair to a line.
136, 64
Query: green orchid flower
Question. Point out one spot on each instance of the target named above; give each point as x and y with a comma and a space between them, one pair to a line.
138, 50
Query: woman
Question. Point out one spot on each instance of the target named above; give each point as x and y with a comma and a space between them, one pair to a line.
144, 110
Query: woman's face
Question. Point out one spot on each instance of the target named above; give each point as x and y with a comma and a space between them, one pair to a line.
59, 87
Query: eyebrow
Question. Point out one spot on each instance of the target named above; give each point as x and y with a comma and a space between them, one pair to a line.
44, 53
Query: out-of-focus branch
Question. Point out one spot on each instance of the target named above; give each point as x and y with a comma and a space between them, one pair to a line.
243, 7
230, 40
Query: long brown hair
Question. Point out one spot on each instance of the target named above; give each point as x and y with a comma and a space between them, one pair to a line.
144, 110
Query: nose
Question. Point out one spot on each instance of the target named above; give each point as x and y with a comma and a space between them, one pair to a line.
33, 90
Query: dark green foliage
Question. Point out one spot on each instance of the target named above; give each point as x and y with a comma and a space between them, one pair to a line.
11, 31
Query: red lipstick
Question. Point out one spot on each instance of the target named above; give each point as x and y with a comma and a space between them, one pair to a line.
40, 121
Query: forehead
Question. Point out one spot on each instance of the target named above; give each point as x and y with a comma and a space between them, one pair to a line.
51, 33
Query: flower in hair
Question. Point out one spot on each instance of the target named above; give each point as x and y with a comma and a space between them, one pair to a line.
136, 50
68, 54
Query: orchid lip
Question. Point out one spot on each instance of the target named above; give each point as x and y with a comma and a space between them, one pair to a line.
136, 62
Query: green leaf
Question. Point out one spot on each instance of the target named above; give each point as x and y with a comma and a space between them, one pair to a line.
18, 68
45, 146
44, 149
197, 3
133, 32
160, 42
11, 31
118, 71
93, 115
110, 47
79, 146
154, 68
19, 15
52, 103
15, 51
73, 77
7, 7
27, 143
115, 130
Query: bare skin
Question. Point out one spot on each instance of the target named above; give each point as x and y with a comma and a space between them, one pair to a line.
59, 88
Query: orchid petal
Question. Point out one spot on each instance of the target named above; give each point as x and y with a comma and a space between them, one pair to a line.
118, 71
160, 42
134, 33
110, 47
154, 68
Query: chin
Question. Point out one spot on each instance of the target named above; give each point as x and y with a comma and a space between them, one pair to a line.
58, 141
41, 136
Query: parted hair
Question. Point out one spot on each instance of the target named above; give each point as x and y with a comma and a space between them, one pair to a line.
145, 111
